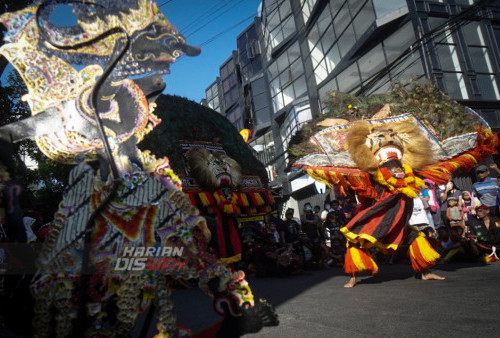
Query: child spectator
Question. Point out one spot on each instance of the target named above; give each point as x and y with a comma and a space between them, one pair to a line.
468, 204
433, 201
445, 192
317, 210
455, 215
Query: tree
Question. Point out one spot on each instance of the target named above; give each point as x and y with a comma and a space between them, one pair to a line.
43, 186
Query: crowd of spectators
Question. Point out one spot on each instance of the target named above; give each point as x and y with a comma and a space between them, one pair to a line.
463, 226
466, 224
21, 234
301, 241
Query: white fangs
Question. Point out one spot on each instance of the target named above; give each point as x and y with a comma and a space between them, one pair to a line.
224, 180
387, 153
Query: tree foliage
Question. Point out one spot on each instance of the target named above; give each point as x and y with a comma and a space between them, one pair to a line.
42, 186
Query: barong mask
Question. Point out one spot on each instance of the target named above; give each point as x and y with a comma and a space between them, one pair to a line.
385, 144
214, 171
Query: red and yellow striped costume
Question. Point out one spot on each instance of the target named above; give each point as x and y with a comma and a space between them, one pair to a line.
384, 225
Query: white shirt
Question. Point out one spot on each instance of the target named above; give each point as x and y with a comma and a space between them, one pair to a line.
418, 215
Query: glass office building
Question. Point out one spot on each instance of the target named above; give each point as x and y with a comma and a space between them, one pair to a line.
297, 51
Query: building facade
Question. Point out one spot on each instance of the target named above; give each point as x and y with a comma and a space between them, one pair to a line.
298, 51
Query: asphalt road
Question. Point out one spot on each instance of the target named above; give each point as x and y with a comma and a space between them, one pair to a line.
394, 303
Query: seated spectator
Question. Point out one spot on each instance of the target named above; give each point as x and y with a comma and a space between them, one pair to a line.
485, 231
289, 263
337, 252
444, 240
485, 227
335, 205
334, 221
305, 249
273, 231
278, 222
462, 249
431, 237
267, 265
249, 252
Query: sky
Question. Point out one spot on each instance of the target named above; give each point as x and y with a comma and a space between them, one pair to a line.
212, 25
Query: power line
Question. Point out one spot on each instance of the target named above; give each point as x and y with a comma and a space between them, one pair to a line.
210, 40
206, 24
166, 2
226, 30
205, 15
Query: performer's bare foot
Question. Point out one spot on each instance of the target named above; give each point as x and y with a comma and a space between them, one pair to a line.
427, 275
351, 283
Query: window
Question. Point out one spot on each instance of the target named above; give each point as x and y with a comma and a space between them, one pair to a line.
410, 69
341, 20
449, 61
278, 23
364, 19
307, 7
298, 115
487, 86
448, 57
266, 153
326, 89
349, 78
323, 52
384, 7
346, 41
355, 5
300, 86
396, 43
472, 34
283, 73
464, 2
332, 58
372, 62
480, 58
455, 85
